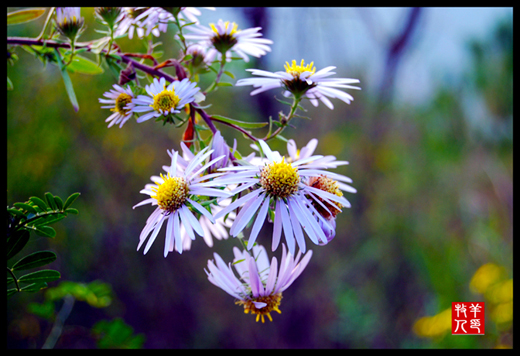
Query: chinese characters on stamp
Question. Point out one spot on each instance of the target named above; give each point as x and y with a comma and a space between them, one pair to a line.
467, 318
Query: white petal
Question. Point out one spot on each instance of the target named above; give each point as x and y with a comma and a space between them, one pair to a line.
259, 222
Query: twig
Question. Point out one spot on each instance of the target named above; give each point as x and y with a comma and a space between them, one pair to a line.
57, 328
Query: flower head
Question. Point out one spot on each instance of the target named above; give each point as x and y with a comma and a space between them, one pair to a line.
220, 148
130, 23
155, 20
259, 285
322, 181
109, 16
176, 196
120, 101
279, 187
217, 228
302, 80
307, 151
164, 100
200, 59
69, 21
223, 38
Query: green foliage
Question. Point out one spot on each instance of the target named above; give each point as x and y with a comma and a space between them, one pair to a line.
22, 218
82, 65
22, 16
116, 334
97, 294
246, 125
68, 83
113, 334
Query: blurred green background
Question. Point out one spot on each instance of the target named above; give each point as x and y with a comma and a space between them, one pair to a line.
433, 207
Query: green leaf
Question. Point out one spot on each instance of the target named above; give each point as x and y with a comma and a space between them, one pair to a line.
9, 280
282, 101
16, 212
224, 84
229, 74
96, 293
84, 66
47, 218
72, 211
271, 214
16, 243
45, 231
10, 85
45, 275
27, 207
59, 202
36, 259
40, 203
34, 287
246, 125
68, 83
50, 201
43, 310
26, 15
281, 138
115, 57
70, 200
116, 334
237, 155
243, 162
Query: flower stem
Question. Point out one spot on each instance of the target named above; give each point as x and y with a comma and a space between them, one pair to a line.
47, 21
219, 75
285, 119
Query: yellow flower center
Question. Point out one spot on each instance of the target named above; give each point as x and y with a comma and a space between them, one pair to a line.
272, 301
226, 26
224, 41
122, 100
280, 179
165, 100
133, 12
171, 194
295, 70
331, 186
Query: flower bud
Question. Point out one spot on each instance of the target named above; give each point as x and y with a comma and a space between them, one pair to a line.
69, 21
329, 228
220, 148
110, 16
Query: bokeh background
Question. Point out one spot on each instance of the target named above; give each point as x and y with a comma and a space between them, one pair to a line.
429, 140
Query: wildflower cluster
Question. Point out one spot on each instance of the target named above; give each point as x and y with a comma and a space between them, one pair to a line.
209, 189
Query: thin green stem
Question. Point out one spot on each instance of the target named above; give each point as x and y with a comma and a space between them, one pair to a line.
72, 48
111, 40
14, 279
219, 75
181, 36
240, 238
38, 215
221, 70
285, 119
47, 21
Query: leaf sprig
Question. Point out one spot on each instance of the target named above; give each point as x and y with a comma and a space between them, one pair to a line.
34, 215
